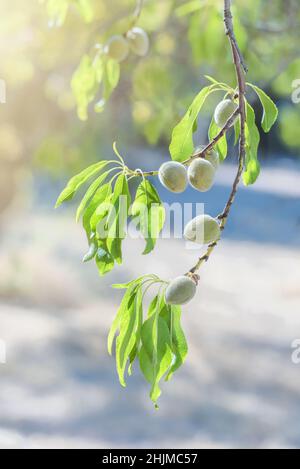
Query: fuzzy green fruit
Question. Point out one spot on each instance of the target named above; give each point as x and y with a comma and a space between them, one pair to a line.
202, 230
117, 48
173, 176
180, 291
201, 174
138, 41
212, 156
223, 111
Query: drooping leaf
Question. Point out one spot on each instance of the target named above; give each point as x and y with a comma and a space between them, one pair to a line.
77, 181
84, 85
117, 218
90, 218
178, 341
182, 145
90, 193
104, 259
237, 131
101, 211
221, 146
129, 295
111, 77
252, 169
130, 330
139, 323
270, 113
150, 213
155, 355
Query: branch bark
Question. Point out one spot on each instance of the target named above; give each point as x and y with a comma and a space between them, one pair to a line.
240, 68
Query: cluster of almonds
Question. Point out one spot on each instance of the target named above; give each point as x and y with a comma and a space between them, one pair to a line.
136, 40
203, 229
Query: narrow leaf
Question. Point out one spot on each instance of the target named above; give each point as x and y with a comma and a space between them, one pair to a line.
270, 113
252, 143
117, 218
104, 260
126, 340
131, 292
91, 211
178, 340
90, 193
77, 181
155, 356
149, 211
182, 145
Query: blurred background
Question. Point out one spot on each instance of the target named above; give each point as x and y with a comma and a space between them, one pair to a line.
239, 386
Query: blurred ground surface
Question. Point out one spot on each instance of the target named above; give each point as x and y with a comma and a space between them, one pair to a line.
238, 388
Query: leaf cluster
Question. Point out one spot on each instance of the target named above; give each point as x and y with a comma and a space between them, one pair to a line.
157, 341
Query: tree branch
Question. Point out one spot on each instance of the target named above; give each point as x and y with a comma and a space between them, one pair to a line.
240, 69
229, 30
214, 141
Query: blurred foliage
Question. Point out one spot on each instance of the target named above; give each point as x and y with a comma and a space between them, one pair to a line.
43, 43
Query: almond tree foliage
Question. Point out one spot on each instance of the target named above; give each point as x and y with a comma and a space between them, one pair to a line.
155, 338
272, 29
40, 58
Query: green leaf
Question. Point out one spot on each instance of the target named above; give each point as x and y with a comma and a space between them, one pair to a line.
218, 83
270, 109
182, 145
221, 146
127, 298
103, 206
77, 181
90, 194
178, 340
155, 355
130, 330
91, 252
104, 261
117, 218
84, 85
124, 286
90, 218
111, 78
252, 143
237, 131
150, 213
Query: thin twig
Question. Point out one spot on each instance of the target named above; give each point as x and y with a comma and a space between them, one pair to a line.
240, 68
229, 30
214, 141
